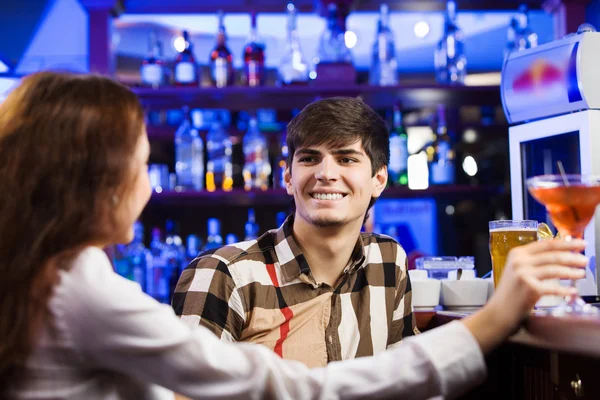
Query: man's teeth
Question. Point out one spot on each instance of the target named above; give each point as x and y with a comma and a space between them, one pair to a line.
329, 196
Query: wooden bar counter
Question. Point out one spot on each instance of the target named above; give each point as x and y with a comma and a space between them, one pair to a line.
548, 358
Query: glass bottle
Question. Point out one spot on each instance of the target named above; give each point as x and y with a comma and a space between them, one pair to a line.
449, 57
189, 155
221, 59
251, 227
185, 72
256, 155
152, 71
214, 239
292, 68
525, 37
398, 166
442, 161
219, 169
332, 46
254, 57
384, 67
281, 164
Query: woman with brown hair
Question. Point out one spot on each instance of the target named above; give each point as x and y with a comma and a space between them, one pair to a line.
73, 179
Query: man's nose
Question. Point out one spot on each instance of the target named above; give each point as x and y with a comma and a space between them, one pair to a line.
328, 170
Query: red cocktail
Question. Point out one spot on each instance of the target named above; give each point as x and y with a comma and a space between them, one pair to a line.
571, 201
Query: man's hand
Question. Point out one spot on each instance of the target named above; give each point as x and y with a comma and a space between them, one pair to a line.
524, 280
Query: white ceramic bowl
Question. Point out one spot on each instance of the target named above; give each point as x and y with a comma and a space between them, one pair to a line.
464, 293
425, 291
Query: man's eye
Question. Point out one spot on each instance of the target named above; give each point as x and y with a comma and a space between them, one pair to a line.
307, 159
347, 160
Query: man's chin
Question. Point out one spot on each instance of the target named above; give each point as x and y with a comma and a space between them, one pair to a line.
326, 222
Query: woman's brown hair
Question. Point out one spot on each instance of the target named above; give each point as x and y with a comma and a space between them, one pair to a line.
66, 143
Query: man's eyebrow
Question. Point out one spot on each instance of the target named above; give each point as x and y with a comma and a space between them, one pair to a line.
306, 151
347, 152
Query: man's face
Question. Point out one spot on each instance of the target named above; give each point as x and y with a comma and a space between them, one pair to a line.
333, 187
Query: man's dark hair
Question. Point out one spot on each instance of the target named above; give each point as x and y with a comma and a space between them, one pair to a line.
338, 122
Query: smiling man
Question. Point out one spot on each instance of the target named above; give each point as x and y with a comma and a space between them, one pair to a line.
316, 289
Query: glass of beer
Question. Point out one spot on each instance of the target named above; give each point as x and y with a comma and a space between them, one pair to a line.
506, 234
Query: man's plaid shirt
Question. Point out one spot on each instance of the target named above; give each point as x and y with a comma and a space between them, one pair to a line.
262, 291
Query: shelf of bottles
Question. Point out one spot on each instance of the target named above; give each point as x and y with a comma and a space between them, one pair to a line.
299, 82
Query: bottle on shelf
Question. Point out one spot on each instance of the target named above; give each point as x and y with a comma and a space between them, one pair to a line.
384, 67
449, 57
254, 57
185, 71
231, 239
140, 258
251, 228
189, 155
160, 273
219, 169
293, 69
332, 45
398, 166
281, 163
280, 218
525, 37
221, 59
193, 249
214, 239
511, 37
257, 168
153, 71
441, 154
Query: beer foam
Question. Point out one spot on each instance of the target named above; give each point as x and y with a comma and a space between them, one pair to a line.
514, 229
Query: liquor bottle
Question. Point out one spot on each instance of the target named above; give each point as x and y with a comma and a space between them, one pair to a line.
221, 59
254, 57
449, 57
511, 37
293, 69
189, 155
214, 239
185, 72
525, 38
442, 161
280, 218
194, 244
256, 158
332, 46
152, 71
281, 164
160, 273
398, 166
251, 227
384, 67
219, 169
140, 258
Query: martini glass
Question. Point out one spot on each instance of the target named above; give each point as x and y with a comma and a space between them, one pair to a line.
571, 201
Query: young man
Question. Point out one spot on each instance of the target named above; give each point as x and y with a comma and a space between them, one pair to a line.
316, 289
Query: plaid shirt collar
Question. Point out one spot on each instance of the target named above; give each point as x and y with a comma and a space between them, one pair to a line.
292, 261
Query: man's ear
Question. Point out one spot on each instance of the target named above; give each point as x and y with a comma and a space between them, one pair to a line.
380, 180
287, 178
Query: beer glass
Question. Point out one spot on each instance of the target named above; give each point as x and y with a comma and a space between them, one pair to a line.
506, 234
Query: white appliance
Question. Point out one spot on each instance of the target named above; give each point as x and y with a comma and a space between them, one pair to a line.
551, 98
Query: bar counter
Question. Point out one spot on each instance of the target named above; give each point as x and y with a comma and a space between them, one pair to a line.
547, 358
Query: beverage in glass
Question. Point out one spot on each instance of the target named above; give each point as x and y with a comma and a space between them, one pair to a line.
570, 201
505, 235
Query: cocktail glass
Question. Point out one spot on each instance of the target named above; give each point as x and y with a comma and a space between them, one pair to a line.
571, 201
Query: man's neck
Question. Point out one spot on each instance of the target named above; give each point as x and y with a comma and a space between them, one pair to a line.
326, 249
